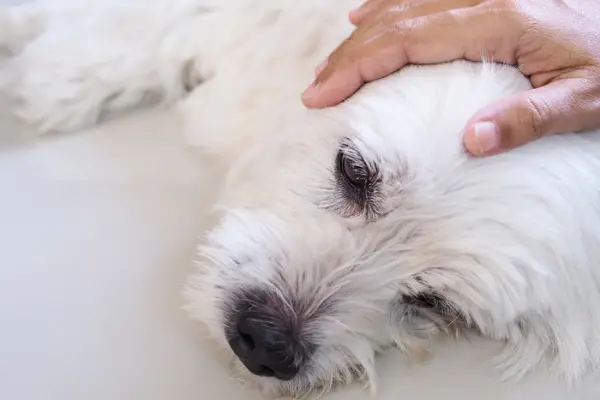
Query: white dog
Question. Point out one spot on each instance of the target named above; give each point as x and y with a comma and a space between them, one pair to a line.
343, 231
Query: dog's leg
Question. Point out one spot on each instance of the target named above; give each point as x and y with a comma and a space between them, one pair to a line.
91, 58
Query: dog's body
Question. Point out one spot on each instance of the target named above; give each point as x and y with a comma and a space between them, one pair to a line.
345, 230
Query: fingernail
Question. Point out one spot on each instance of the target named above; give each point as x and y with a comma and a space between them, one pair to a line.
354, 13
487, 136
310, 91
320, 67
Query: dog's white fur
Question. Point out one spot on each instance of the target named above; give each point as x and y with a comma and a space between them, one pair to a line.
511, 243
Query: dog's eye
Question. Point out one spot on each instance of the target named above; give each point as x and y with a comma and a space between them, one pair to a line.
357, 183
352, 172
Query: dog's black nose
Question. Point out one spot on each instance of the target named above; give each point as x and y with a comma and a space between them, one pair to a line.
265, 348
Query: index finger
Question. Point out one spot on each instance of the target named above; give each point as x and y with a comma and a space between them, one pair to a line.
369, 7
377, 51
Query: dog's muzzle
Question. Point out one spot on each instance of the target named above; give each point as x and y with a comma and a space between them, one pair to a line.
265, 335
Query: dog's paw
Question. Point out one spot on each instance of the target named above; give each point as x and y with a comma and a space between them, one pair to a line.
62, 92
50, 99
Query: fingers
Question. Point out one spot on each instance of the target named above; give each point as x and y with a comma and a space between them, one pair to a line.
385, 46
336, 80
562, 106
406, 9
368, 8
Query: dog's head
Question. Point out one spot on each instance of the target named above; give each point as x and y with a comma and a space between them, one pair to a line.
352, 229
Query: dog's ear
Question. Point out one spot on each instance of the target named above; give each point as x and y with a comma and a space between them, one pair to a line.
417, 319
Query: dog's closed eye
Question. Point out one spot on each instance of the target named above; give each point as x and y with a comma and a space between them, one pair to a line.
358, 183
426, 314
354, 172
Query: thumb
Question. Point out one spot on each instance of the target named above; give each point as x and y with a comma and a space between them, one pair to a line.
521, 118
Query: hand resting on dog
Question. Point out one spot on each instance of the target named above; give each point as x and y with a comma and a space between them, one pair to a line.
556, 44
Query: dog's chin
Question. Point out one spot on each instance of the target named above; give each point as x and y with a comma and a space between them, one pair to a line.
305, 385
269, 388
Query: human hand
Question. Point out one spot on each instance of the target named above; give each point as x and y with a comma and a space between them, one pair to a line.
556, 44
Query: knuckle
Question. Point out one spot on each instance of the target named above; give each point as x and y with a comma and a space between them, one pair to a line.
534, 116
508, 4
591, 88
406, 31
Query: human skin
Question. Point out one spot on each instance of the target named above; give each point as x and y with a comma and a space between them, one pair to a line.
556, 44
